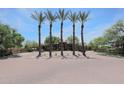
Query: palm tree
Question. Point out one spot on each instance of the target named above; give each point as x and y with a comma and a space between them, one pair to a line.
83, 17
73, 17
38, 16
62, 16
51, 18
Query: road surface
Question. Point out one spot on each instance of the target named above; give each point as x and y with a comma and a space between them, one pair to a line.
27, 69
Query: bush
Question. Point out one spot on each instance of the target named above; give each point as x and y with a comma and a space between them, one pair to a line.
28, 49
30, 46
4, 52
101, 48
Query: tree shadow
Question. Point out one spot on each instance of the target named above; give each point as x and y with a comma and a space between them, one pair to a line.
2, 58
11, 56
76, 55
64, 57
86, 56
38, 56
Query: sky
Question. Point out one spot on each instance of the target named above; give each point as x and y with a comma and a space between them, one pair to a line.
100, 19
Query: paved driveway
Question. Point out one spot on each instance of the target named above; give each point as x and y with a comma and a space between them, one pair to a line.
27, 69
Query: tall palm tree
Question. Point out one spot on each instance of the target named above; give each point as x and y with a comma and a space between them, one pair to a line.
62, 16
73, 17
83, 17
51, 18
38, 16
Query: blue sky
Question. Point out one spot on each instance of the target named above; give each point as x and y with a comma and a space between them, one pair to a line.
99, 20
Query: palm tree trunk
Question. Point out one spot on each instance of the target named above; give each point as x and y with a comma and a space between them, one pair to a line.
39, 34
61, 38
73, 39
82, 40
50, 45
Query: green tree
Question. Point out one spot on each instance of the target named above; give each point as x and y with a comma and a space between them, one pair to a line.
51, 18
9, 38
55, 40
73, 17
31, 45
83, 17
38, 16
70, 40
115, 36
98, 43
62, 16
115, 32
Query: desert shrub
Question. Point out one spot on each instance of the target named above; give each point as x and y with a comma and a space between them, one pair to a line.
4, 52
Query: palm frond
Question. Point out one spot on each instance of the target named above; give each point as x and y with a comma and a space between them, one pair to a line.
38, 16
83, 16
62, 15
73, 17
50, 16
34, 15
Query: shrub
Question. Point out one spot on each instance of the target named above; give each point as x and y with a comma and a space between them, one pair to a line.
4, 52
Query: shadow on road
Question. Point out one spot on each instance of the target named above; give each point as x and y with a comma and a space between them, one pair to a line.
11, 56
